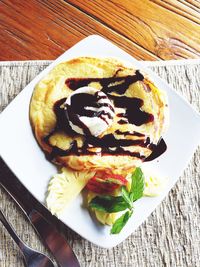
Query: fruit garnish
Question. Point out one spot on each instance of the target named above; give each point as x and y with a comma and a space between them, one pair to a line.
113, 204
64, 187
105, 183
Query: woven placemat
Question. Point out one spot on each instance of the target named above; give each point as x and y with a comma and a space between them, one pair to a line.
169, 237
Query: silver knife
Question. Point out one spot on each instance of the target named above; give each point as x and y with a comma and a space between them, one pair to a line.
56, 243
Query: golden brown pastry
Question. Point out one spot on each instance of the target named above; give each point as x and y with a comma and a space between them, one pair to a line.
63, 120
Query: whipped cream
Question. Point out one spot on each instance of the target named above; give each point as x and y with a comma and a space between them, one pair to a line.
89, 111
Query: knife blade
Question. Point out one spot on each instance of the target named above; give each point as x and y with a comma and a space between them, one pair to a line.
50, 236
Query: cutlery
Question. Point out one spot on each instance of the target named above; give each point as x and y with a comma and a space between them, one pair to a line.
32, 257
50, 236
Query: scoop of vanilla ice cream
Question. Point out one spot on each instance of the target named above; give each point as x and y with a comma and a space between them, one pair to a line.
89, 115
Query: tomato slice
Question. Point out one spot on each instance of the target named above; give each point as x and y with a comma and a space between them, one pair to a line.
105, 183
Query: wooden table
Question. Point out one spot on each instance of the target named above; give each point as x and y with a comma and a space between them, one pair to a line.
147, 29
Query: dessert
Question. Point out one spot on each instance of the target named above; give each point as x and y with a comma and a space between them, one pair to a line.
91, 119
100, 116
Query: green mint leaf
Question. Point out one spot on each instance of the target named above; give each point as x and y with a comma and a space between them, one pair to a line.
121, 222
126, 196
137, 185
109, 203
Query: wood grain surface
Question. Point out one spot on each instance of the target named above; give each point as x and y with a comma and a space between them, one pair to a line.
168, 29
147, 29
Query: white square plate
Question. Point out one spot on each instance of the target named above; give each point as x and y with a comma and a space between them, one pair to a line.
22, 154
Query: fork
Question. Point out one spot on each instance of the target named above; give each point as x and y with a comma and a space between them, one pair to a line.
32, 257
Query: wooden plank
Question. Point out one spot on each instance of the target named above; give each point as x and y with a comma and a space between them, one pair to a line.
169, 29
186, 8
37, 29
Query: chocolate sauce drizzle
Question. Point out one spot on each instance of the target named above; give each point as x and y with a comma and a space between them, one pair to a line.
122, 122
133, 113
157, 150
118, 85
61, 121
129, 133
109, 144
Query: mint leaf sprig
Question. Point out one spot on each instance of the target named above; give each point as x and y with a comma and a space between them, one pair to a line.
108, 203
120, 222
137, 185
112, 204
